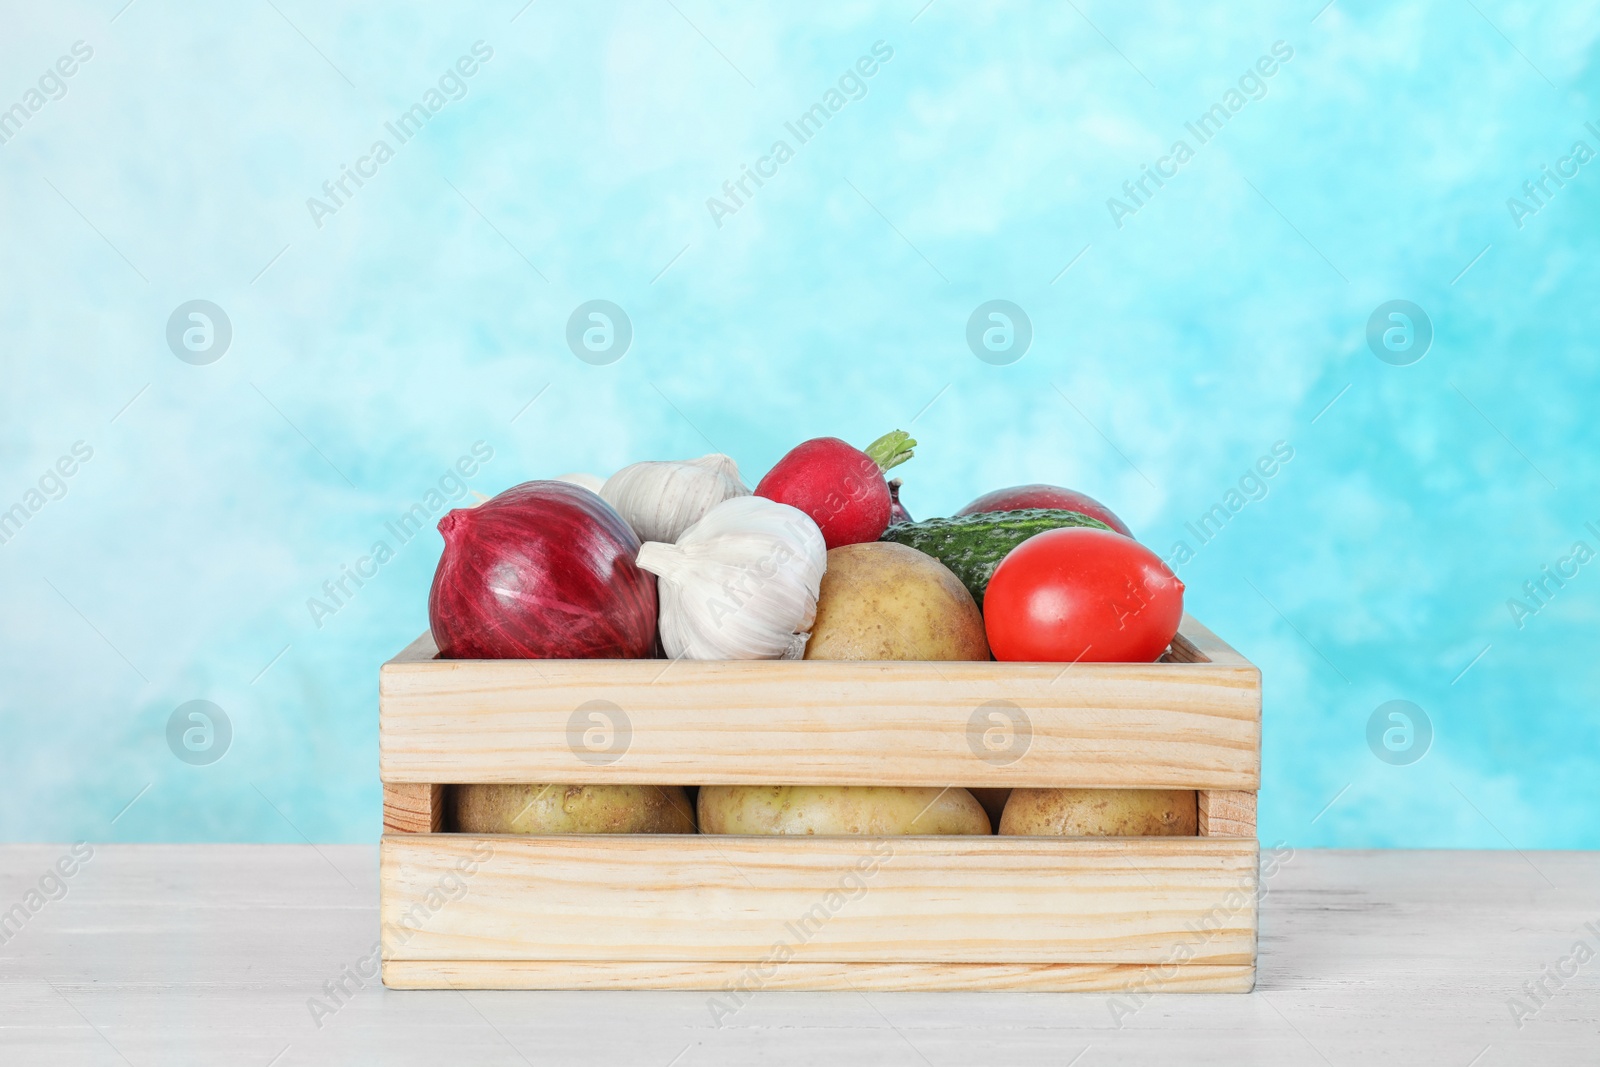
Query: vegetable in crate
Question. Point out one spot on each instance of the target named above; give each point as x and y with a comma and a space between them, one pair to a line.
840, 487
973, 545
661, 500
1086, 595
572, 809
544, 570
741, 583
591, 482
884, 601
897, 510
839, 809
1101, 813
1054, 497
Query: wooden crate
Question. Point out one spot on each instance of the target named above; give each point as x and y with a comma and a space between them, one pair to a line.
733, 914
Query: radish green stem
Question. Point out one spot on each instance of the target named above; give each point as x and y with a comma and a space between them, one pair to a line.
892, 449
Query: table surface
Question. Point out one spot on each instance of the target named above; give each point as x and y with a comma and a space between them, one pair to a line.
169, 955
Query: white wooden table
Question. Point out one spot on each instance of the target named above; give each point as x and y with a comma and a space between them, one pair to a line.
212, 954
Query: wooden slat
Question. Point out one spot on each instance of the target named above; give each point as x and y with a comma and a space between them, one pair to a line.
672, 898
1182, 651
1192, 645
1156, 725
421, 650
413, 808
736, 980
1209, 647
1227, 813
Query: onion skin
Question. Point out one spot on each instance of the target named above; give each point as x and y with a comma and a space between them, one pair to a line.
545, 570
897, 510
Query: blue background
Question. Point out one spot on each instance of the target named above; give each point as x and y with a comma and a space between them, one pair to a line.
1227, 314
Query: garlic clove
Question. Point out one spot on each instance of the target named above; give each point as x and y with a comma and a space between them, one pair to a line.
662, 499
741, 583
717, 463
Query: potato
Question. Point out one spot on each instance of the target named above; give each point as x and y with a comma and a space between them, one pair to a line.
839, 809
882, 600
1100, 813
573, 809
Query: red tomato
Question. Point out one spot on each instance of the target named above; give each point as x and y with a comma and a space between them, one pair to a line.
1082, 595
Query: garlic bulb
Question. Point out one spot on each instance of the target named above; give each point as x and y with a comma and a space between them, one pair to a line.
591, 482
661, 500
741, 583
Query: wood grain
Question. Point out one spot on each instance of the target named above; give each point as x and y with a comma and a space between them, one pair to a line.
861, 977
1227, 813
413, 808
679, 899
1166, 725
1206, 646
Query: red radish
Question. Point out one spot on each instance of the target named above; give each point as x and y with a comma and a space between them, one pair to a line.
897, 510
840, 487
545, 570
1046, 496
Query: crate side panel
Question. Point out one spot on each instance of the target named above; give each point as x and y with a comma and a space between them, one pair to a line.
826, 900
1158, 726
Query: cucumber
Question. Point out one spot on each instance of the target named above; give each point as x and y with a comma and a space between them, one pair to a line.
973, 545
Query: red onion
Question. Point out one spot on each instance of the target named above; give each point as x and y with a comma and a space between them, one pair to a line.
897, 510
1046, 496
545, 570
